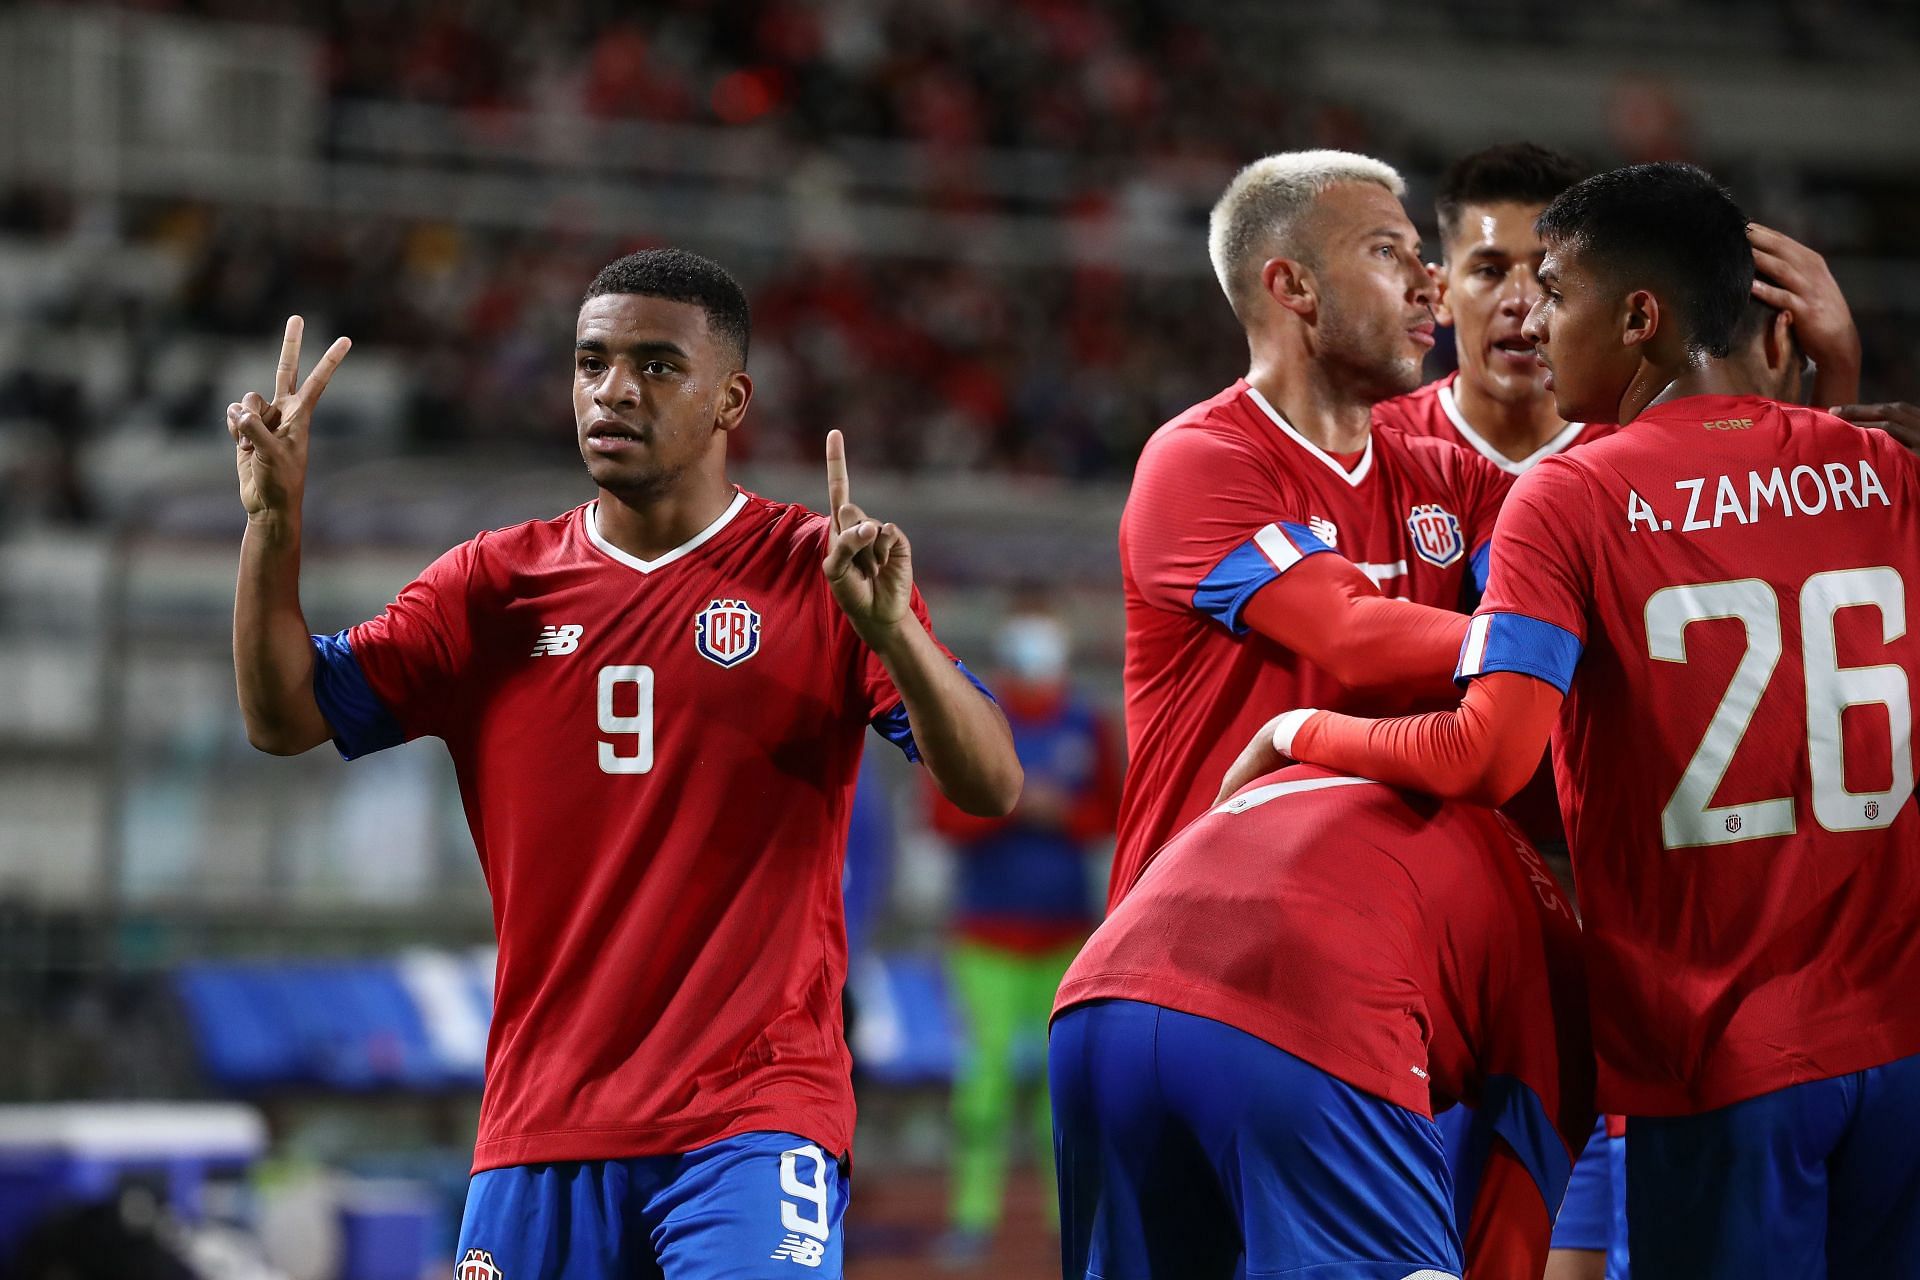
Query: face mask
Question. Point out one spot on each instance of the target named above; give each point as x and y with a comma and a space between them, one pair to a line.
1032, 649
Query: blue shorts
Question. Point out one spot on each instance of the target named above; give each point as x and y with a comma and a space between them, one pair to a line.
1586, 1219
1820, 1179
1186, 1148
757, 1205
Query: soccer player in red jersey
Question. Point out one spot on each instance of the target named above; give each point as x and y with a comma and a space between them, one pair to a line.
1712, 604
655, 707
1245, 1057
1496, 403
1233, 606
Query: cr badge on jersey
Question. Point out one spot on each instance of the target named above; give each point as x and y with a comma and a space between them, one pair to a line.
477, 1265
1436, 534
727, 632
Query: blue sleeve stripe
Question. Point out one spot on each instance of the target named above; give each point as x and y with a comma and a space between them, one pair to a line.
894, 726
1515, 642
1482, 562
360, 722
1520, 1119
1276, 548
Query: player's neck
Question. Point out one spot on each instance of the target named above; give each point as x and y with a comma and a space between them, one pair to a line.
649, 527
1656, 382
1326, 415
1516, 430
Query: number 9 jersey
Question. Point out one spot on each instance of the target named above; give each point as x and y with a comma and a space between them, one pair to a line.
1722, 591
657, 760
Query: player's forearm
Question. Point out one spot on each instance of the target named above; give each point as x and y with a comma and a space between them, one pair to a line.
1836, 380
272, 651
962, 737
1483, 752
1326, 612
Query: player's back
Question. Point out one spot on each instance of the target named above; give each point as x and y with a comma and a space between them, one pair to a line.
1735, 755
1380, 935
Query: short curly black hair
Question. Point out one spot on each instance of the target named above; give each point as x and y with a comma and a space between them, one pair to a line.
680, 276
1667, 226
1510, 173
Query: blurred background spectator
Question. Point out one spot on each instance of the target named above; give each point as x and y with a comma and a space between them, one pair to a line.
1023, 905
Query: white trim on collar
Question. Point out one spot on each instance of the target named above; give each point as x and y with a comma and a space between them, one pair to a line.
1353, 477
1451, 407
686, 548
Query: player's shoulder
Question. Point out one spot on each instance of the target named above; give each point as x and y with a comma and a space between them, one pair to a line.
1213, 427
789, 523
1444, 460
528, 544
1418, 412
1877, 444
1210, 454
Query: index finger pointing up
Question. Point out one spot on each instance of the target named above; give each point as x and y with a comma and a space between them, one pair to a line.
839, 490
289, 370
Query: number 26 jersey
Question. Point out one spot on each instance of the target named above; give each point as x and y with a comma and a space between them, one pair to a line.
657, 761
1725, 591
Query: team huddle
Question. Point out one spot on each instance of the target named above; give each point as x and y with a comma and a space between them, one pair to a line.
1607, 593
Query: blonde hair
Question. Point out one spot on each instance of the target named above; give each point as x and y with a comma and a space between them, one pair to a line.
1257, 216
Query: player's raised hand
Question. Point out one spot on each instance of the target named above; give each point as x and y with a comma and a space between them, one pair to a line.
869, 564
1798, 282
1898, 419
270, 438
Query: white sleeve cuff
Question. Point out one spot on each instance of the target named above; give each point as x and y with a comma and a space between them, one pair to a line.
1289, 724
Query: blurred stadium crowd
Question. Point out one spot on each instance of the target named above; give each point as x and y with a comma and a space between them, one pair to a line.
1109, 115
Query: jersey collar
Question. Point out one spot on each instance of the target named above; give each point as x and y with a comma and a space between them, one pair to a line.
1354, 477
684, 549
1451, 407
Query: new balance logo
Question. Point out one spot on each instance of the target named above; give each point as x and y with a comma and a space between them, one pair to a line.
804, 1250
1325, 530
557, 640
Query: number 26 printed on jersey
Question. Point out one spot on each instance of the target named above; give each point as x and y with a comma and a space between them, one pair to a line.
1690, 818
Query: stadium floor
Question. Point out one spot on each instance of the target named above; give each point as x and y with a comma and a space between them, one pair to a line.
895, 1220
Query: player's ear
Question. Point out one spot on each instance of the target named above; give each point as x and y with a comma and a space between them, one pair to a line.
1288, 282
1779, 347
735, 396
1442, 314
1640, 318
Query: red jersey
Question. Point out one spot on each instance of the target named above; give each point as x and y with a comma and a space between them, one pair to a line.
1408, 946
1721, 591
1434, 411
657, 760
1226, 498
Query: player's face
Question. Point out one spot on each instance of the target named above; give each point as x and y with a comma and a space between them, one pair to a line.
1492, 281
654, 391
1375, 321
1576, 327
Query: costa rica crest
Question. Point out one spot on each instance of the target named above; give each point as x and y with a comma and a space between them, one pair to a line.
727, 632
477, 1265
1436, 534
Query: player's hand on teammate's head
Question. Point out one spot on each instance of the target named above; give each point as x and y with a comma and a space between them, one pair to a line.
1897, 418
869, 563
1259, 758
270, 437
1795, 279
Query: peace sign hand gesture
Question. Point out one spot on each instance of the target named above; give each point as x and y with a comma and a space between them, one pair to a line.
869, 565
270, 440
